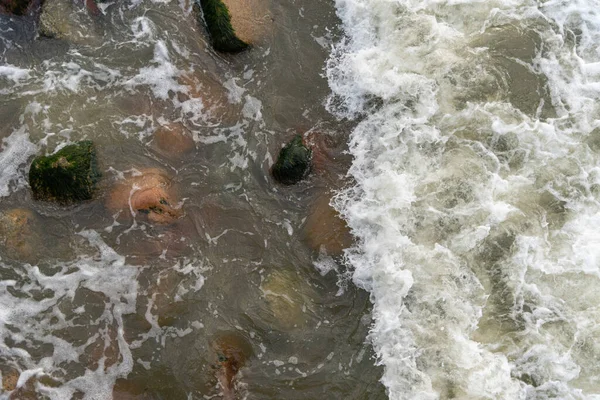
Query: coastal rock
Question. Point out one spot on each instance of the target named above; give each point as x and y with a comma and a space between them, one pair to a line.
231, 350
67, 176
16, 233
61, 19
293, 163
329, 159
219, 25
173, 139
286, 298
150, 193
324, 229
17, 7
10, 377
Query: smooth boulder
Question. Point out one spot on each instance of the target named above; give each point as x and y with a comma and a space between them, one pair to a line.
293, 163
148, 193
64, 20
67, 176
173, 139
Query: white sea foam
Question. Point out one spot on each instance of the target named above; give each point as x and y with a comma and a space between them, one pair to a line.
16, 150
161, 75
476, 213
13, 73
40, 321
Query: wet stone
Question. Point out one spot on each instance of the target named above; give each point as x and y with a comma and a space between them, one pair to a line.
61, 19
10, 377
231, 350
324, 229
149, 193
173, 139
286, 299
16, 233
293, 163
67, 176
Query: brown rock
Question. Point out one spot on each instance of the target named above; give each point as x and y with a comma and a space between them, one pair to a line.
17, 233
232, 351
151, 193
325, 229
9, 380
173, 139
18, 7
251, 19
109, 350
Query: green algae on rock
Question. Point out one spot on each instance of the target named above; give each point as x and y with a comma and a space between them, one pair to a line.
67, 176
218, 23
293, 163
15, 7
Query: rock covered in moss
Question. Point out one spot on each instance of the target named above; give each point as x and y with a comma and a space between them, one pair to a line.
293, 163
67, 176
218, 23
15, 7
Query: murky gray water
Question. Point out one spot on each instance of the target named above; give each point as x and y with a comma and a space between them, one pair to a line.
95, 296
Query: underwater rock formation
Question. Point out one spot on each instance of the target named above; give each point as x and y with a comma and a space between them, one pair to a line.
232, 351
150, 192
173, 139
288, 300
324, 229
16, 233
293, 163
67, 176
61, 19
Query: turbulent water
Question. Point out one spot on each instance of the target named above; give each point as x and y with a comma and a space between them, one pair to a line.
473, 195
476, 196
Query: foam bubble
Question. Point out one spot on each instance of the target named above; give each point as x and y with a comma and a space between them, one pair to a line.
16, 150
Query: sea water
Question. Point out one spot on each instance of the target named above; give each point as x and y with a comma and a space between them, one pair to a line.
476, 189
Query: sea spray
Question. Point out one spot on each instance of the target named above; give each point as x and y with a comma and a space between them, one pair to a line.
476, 191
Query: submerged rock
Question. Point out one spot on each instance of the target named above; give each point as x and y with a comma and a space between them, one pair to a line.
232, 350
10, 377
287, 298
293, 163
16, 233
325, 229
60, 19
17, 7
148, 193
218, 23
67, 176
173, 139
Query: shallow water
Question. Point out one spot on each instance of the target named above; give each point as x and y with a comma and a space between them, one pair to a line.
99, 302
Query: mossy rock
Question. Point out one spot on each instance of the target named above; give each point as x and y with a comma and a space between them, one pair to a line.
218, 23
293, 163
67, 176
15, 7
